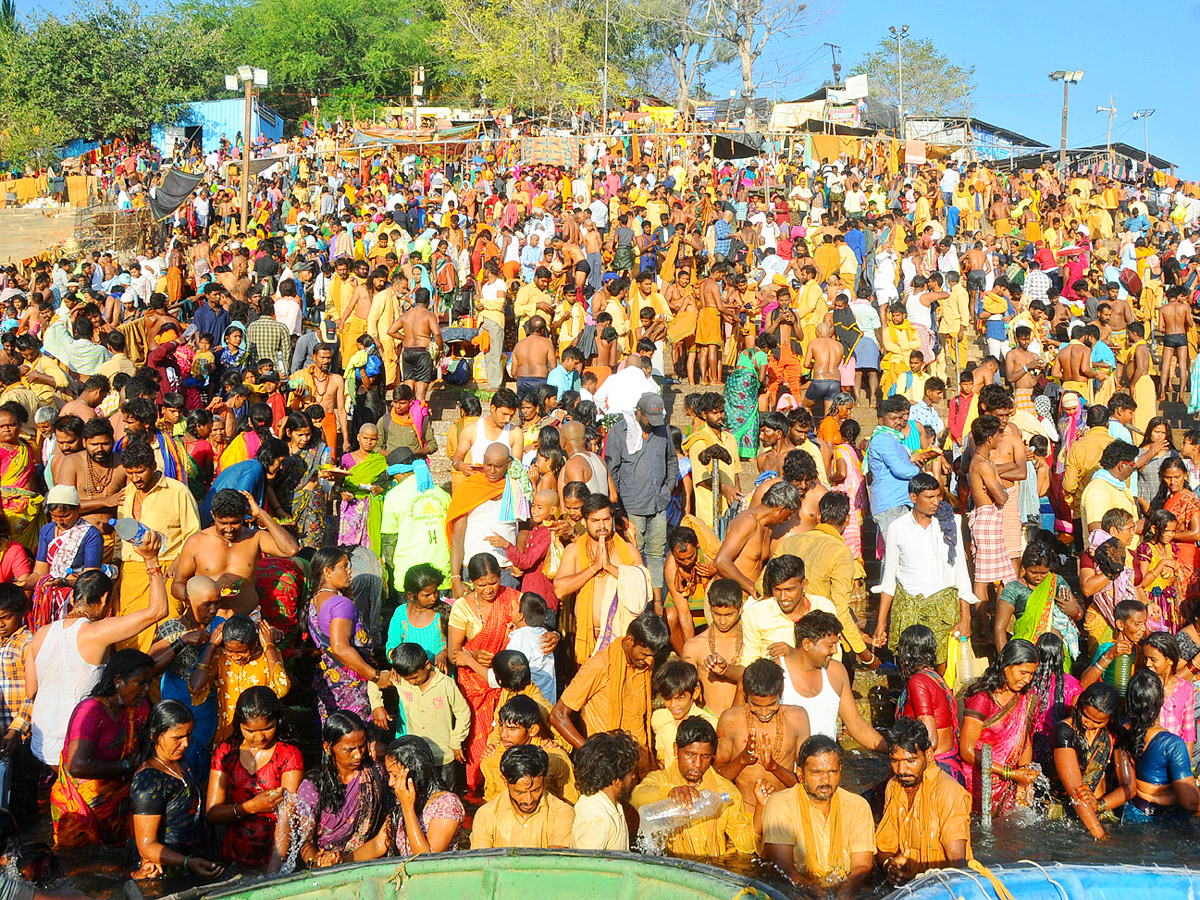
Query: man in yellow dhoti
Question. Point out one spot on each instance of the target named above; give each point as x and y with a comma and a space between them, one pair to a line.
900, 338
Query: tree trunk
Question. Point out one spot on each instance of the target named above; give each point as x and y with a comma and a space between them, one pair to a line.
745, 50
683, 90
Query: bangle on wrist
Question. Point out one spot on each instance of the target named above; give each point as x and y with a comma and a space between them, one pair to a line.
186, 860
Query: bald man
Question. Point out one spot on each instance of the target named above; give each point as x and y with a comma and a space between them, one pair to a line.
824, 356
475, 516
582, 465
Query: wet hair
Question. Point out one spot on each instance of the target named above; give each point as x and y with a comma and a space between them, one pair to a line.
916, 650
72, 425
164, 715
1016, 652
324, 558
763, 678
674, 678
834, 509
1116, 453
799, 466
482, 564
851, 430
782, 495
505, 399
331, 793
124, 664
816, 625
408, 659
725, 593
695, 730
780, 569
650, 630
271, 450
240, 629
681, 536
90, 588
197, 419
413, 753
575, 490
817, 745
984, 428
229, 504
909, 735
258, 702
776, 421
511, 668
1052, 655
1165, 643
138, 453
421, 576
1101, 697
604, 758
524, 761
1143, 703
522, 711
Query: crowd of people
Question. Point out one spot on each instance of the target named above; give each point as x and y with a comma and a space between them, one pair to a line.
259, 609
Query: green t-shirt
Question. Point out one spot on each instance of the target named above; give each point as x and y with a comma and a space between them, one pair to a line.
418, 519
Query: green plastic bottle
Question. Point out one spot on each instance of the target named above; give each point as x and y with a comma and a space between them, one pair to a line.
1122, 669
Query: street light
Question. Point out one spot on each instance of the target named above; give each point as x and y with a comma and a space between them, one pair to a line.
251, 78
1068, 78
1144, 115
900, 35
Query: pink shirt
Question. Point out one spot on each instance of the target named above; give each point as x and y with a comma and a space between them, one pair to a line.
1178, 714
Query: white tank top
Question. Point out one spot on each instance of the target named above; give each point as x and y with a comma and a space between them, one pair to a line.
64, 678
822, 709
482, 442
598, 482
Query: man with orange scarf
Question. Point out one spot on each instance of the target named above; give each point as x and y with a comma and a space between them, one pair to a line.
605, 573
612, 689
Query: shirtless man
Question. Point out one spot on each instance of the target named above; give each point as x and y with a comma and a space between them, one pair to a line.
159, 320
1073, 364
1174, 317
228, 551
1020, 368
95, 389
496, 427
760, 738
1009, 459
681, 299
717, 653
319, 385
823, 355
747, 543
239, 268
800, 470
581, 465
592, 244
68, 442
416, 330
99, 477
988, 495
773, 441
533, 357
1122, 315
710, 353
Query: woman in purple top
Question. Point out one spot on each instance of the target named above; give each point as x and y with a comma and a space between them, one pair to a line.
343, 670
426, 818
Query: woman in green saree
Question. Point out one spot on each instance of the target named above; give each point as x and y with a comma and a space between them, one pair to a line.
742, 388
362, 492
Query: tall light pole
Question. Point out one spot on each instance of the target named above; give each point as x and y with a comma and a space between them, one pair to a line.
604, 95
1144, 115
1068, 78
251, 78
900, 35
1111, 109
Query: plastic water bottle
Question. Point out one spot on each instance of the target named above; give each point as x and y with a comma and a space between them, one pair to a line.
668, 814
966, 661
133, 531
1122, 669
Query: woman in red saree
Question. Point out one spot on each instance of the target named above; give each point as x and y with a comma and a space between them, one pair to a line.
999, 711
1175, 497
22, 505
478, 629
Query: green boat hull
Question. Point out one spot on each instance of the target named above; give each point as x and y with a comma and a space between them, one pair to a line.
503, 875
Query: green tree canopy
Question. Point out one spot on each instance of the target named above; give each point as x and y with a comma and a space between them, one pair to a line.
933, 85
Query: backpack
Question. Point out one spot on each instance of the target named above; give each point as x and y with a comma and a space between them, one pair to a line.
1131, 282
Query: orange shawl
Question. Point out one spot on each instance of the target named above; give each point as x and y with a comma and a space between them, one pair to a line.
469, 494
585, 598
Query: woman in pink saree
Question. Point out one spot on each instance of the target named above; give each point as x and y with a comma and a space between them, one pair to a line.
22, 504
848, 479
999, 712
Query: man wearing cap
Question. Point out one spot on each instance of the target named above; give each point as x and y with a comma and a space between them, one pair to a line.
641, 459
414, 519
325, 335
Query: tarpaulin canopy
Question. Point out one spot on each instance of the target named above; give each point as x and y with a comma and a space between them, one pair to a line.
175, 188
736, 145
365, 136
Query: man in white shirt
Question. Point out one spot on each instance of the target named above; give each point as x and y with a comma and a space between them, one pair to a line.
599, 211
949, 184
621, 391
925, 579
605, 771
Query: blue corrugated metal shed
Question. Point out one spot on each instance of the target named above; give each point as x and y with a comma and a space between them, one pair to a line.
214, 118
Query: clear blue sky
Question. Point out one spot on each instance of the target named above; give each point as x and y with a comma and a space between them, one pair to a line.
1017, 44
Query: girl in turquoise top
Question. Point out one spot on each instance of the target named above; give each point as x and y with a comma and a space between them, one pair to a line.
422, 619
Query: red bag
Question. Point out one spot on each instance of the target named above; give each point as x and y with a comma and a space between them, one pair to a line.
1131, 282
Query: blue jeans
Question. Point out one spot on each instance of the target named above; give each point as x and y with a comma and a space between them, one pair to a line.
652, 544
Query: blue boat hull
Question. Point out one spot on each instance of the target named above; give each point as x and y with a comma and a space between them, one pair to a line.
1057, 881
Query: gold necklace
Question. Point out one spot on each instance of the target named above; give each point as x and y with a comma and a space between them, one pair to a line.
737, 647
777, 744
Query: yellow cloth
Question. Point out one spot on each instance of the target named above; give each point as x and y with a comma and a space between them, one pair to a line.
1099, 497
599, 825
727, 472
170, 509
764, 624
232, 680
732, 831
1083, 459
708, 326
921, 825
829, 568
821, 846
560, 779
898, 342
608, 694
498, 824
